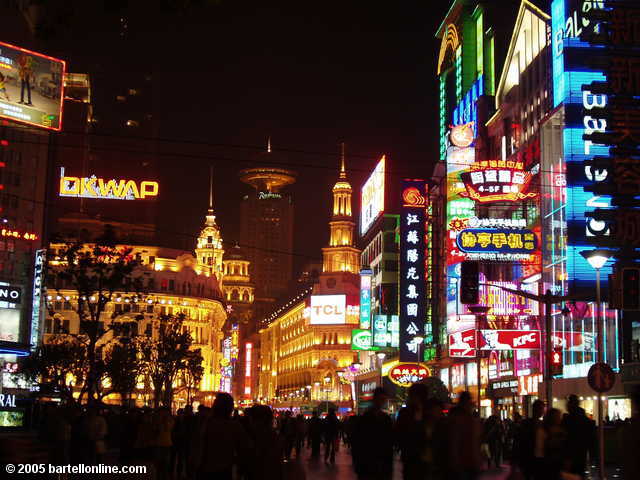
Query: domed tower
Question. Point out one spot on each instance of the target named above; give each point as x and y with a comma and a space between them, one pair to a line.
209, 249
238, 289
341, 254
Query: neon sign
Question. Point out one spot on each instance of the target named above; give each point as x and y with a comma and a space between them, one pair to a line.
386, 331
7, 232
509, 339
413, 219
99, 188
497, 181
507, 243
462, 135
365, 298
406, 374
362, 340
247, 368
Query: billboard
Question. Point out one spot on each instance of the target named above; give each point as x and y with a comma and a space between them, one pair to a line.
463, 344
31, 87
509, 339
328, 309
406, 374
372, 198
413, 231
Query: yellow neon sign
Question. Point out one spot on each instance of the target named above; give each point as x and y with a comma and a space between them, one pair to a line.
99, 188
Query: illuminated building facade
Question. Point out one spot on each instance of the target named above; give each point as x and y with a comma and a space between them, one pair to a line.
474, 196
24, 155
305, 355
239, 293
175, 283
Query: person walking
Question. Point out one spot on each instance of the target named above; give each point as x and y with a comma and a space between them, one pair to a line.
581, 436
300, 429
95, 431
494, 438
528, 453
315, 434
162, 429
410, 432
555, 445
224, 441
464, 435
331, 430
373, 441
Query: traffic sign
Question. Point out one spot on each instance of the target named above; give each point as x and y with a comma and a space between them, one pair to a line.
601, 377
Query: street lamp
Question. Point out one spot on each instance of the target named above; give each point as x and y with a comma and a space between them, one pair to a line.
597, 258
327, 381
419, 340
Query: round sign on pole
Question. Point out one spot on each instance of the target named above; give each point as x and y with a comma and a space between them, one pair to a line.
601, 377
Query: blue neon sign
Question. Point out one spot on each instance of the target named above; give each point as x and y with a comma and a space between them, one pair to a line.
571, 77
467, 110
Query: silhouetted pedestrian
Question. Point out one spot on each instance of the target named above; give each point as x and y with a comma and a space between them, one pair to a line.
315, 434
528, 445
331, 431
581, 436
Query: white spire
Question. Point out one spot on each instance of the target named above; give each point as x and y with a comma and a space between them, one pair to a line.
210, 218
269, 144
343, 172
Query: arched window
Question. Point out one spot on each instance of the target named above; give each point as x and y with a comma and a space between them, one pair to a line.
235, 296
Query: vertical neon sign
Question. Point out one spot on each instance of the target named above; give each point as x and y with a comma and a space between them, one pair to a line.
365, 299
36, 296
247, 368
412, 269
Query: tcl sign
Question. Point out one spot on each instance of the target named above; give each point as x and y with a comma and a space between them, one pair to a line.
327, 309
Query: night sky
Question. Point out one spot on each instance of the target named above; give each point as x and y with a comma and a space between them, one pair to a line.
228, 74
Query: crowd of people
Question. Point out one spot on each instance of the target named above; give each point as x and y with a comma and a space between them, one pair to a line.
433, 440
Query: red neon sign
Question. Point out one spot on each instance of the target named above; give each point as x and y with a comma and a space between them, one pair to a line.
6, 232
497, 181
406, 374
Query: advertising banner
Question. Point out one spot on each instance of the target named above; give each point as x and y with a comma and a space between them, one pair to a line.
365, 299
31, 87
463, 344
509, 339
406, 374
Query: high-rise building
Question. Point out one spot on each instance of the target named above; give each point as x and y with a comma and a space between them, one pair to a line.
266, 231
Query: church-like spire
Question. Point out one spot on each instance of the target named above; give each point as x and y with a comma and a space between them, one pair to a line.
210, 218
343, 172
269, 144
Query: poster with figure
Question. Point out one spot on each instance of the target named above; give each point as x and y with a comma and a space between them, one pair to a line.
31, 87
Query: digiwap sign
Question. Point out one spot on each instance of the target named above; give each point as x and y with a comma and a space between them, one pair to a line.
412, 269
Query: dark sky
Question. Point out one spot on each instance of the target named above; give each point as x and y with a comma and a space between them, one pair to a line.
308, 74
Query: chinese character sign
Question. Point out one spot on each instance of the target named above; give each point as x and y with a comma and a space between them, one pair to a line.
365, 299
412, 269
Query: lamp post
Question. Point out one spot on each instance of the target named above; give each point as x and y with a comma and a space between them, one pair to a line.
597, 258
327, 381
419, 340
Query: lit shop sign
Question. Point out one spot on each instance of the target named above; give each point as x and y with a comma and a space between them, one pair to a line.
498, 244
509, 339
268, 195
462, 136
362, 340
365, 298
33, 87
36, 296
463, 344
247, 368
497, 181
372, 199
7, 232
10, 294
99, 188
406, 374
412, 269
10, 324
501, 302
386, 331
529, 384
327, 309
475, 222
504, 387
